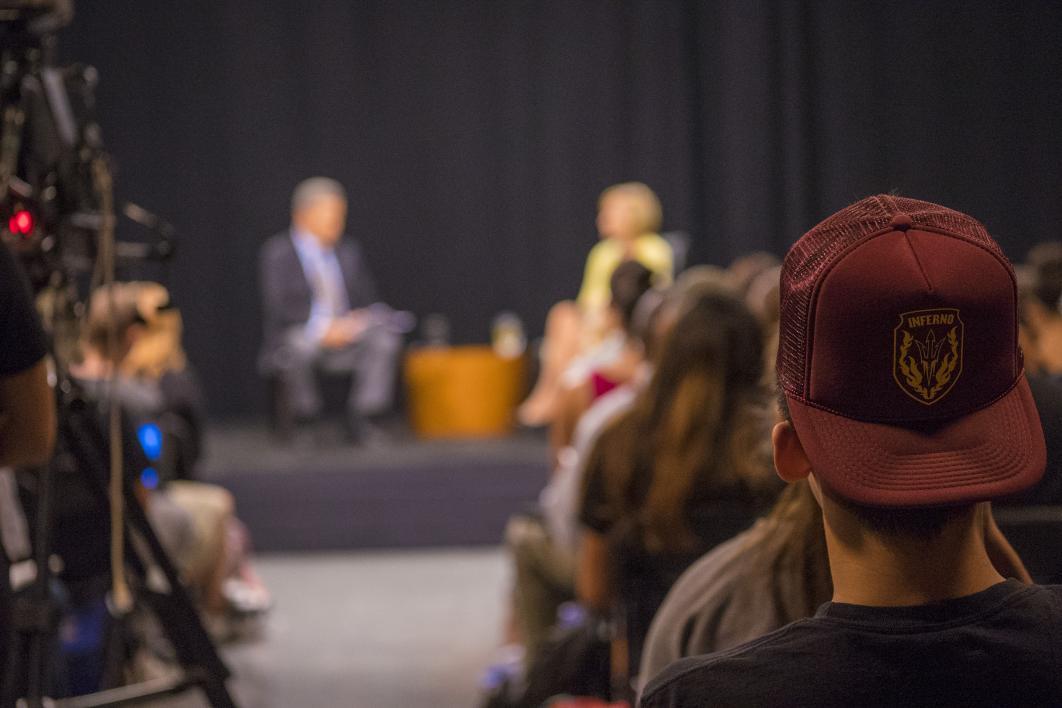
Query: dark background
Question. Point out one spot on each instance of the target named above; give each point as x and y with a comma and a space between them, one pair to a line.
475, 136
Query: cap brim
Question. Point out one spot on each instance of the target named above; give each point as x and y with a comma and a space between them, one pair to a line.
996, 451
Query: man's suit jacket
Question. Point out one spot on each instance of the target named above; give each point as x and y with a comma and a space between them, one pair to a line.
286, 293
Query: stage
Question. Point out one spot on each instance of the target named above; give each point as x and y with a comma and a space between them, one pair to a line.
319, 493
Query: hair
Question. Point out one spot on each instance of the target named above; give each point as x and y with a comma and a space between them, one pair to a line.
112, 311
1046, 261
629, 282
745, 269
920, 523
698, 426
159, 350
648, 213
793, 554
310, 190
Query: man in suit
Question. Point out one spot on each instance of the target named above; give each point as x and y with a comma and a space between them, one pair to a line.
322, 311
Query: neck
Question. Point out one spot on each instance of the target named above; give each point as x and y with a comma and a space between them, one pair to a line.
874, 570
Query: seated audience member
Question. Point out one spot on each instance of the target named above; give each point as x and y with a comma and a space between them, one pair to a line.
322, 311
745, 270
762, 298
1046, 388
686, 468
629, 282
775, 573
628, 219
1042, 311
157, 358
544, 544
194, 520
901, 448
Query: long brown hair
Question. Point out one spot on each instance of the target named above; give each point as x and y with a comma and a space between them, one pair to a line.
793, 553
699, 427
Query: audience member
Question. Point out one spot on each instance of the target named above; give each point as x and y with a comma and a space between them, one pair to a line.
628, 219
195, 521
901, 451
543, 544
157, 357
684, 469
615, 365
775, 573
1046, 387
1042, 311
744, 270
322, 311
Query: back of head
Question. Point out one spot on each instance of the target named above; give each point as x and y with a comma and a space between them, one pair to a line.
899, 364
629, 282
1047, 277
699, 425
159, 350
113, 311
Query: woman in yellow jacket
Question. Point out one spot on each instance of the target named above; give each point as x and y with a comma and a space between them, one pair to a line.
628, 218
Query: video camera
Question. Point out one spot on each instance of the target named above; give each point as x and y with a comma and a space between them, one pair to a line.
57, 213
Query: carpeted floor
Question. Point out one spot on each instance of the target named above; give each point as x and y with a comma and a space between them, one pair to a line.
372, 630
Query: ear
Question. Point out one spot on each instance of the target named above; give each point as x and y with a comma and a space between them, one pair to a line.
790, 460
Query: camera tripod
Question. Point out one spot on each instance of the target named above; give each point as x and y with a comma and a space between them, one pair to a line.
25, 681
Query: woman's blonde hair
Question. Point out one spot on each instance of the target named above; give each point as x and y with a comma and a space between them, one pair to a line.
646, 205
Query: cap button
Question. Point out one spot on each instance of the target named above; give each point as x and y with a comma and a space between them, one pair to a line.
900, 222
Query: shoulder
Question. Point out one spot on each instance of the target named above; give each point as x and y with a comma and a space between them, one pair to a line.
654, 244
602, 251
278, 246
1047, 596
349, 247
734, 676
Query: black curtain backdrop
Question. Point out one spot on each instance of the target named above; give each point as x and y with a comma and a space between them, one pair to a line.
475, 136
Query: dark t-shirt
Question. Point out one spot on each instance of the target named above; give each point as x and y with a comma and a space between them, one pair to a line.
999, 647
23, 342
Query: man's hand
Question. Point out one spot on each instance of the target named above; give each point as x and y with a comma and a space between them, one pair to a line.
344, 331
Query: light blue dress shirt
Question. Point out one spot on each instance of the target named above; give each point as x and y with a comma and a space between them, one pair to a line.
325, 276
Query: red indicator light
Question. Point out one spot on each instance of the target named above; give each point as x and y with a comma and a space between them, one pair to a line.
21, 223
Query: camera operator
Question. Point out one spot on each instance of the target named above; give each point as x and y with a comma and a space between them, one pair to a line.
27, 407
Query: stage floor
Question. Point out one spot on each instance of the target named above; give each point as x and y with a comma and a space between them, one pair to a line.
321, 494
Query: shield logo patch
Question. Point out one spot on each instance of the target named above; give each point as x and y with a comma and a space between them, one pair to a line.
927, 353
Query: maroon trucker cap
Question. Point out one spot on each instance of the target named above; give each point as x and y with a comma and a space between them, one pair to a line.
899, 357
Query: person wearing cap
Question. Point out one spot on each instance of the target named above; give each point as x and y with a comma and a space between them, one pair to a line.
317, 298
907, 411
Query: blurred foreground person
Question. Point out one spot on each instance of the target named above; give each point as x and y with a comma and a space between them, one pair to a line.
322, 311
901, 447
27, 418
628, 219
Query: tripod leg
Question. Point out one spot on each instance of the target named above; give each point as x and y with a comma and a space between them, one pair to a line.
175, 610
179, 617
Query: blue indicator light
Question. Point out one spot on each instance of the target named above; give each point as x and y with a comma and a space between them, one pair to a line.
150, 436
149, 478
